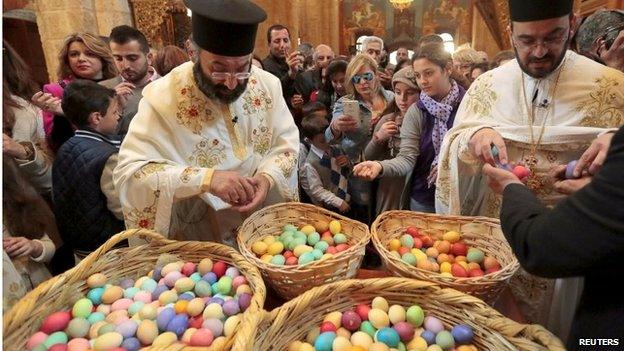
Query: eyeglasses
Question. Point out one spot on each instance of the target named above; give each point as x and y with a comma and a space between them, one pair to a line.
531, 44
223, 76
368, 76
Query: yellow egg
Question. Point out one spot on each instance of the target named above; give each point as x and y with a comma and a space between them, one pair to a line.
205, 266
451, 236
395, 254
326, 256
447, 274
266, 258
269, 239
301, 249
343, 332
244, 289
466, 348
335, 227
231, 324
112, 294
195, 307
419, 254
463, 264
148, 312
259, 248
378, 346
170, 267
307, 229
275, 248
417, 344
445, 267
96, 280
107, 341
380, 303
219, 343
335, 318
294, 346
165, 339
434, 347
378, 318
341, 344
394, 245
313, 334
356, 348
306, 347
115, 316
186, 337
396, 313
321, 226
93, 331
361, 339
147, 332
167, 297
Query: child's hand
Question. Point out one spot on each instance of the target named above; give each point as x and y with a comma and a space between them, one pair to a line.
344, 207
20, 246
342, 160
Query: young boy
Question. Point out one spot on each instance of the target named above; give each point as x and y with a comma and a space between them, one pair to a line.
86, 206
324, 171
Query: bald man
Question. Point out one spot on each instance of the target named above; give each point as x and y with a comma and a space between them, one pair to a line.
309, 81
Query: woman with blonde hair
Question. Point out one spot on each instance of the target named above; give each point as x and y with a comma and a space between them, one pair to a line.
83, 56
354, 118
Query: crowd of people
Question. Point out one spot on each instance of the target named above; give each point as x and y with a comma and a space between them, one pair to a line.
206, 133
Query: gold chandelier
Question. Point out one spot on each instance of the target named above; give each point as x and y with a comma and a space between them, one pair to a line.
401, 4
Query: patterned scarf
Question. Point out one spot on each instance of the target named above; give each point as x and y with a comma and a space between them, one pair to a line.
442, 111
339, 175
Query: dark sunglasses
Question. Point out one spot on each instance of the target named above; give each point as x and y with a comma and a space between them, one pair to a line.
368, 76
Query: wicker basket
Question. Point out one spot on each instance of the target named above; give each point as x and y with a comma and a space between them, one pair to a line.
60, 292
493, 331
290, 281
481, 232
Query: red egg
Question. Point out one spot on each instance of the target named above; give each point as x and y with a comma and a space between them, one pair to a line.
405, 330
55, 322
219, 268
58, 347
351, 321
475, 273
492, 270
342, 247
418, 243
362, 311
521, 172
202, 337
327, 233
403, 250
458, 271
188, 268
412, 231
490, 262
328, 327
331, 250
427, 241
292, 261
196, 322
459, 249
287, 254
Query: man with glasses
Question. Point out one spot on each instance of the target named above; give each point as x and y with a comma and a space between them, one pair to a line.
542, 109
213, 140
601, 38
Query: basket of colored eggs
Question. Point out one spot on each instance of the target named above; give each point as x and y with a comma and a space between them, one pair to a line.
162, 294
387, 314
469, 254
299, 246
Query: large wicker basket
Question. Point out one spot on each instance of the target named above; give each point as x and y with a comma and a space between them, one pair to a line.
493, 331
481, 232
290, 281
60, 292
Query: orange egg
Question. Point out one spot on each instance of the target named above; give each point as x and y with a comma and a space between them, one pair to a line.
443, 258
394, 244
460, 258
473, 265
444, 247
180, 306
432, 252
490, 262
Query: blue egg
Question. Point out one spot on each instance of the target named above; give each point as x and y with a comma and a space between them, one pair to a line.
428, 336
127, 329
126, 283
135, 307
95, 295
178, 324
195, 277
215, 299
96, 317
324, 341
130, 292
159, 290
131, 344
388, 336
215, 288
188, 296
210, 277
156, 273
149, 285
164, 317
462, 334
317, 254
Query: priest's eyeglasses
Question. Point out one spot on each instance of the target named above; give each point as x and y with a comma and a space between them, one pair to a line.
223, 76
530, 44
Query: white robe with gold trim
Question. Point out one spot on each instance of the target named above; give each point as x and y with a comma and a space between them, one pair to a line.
178, 135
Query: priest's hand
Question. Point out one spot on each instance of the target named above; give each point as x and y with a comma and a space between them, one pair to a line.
261, 185
498, 178
481, 146
232, 188
368, 170
594, 156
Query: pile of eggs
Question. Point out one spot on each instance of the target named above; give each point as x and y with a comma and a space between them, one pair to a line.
302, 246
195, 304
380, 327
450, 256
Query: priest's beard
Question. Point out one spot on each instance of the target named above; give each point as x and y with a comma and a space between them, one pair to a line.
549, 57
217, 91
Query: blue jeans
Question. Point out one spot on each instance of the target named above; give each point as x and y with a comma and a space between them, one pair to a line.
419, 207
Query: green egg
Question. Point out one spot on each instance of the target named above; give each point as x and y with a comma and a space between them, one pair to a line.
58, 337
278, 260
195, 277
368, 328
215, 288
203, 289
321, 246
445, 340
224, 285
409, 258
313, 238
475, 255
340, 239
78, 327
130, 292
407, 241
135, 307
96, 317
415, 316
106, 328
306, 258
287, 241
290, 228
82, 308
401, 346
286, 235
317, 254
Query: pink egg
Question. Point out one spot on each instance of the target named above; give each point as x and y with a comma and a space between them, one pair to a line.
58, 347
36, 339
143, 296
106, 309
202, 337
188, 268
405, 331
521, 172
121, 304
172, 277
433, 325
79, 344
238, 281
351, 321
56, 322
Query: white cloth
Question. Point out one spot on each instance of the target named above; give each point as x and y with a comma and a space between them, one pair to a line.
178, 135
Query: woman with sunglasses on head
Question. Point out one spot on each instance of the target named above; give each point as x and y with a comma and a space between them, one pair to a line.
424, 127
353, 133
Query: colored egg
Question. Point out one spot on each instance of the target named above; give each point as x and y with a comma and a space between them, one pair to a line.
231, 307
172, 277
417, 344
231, 324
396, 313
341, 343
95, 327
380, 303
306, 258
79, 344
340, 239
204, 266
184, 284
58, 337
95, 295
362, 310
475, 255
148, 312
569, 172
165, 339
378, 318
55, 322
121, 304
82, 308
409, 258
335, 227
219, 268
313, 238
325, 341
429, 337
143, 296
521, 172
451, 236
214, 325
344, 333
178, 324
462, 334
259, 248
159, 290
458, 270
130, 292
180, 306
445, 340
362, 340
278, 260
334, 317
342, 247
327, 326
405, 330
368, 328
213, 310
188, 268
351, 320
127, 329
164, 317
131, 344
36, 339
149, 284
301, 249
96, 280
407, 241
135, 307
106, 328
388, 336
433, 324
224, 285
321, 246
78, 327
415, 316
202, 337
112, 294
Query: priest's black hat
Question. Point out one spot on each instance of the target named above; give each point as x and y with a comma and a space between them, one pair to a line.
537, 10
225, 27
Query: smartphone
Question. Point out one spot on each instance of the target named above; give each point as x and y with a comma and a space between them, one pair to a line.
352, 108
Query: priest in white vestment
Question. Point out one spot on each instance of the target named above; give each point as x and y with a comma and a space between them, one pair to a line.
213, 140
542, 109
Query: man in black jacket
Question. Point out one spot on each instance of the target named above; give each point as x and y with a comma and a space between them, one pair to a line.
282, 63
583, 236
311, 80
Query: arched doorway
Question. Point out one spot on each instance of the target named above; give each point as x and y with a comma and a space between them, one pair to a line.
20, 30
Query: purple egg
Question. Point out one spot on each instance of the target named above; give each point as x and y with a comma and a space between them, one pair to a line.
351, 321
433, 324
405, 331
131, 344
178, 324
156, 273
164, 317
232, 272
126, 283
428, 336
569, 173
230, 307
159, 290
210, 277
215, 300
172, 277
186, 296
127, 329
462, 334
214, 325
244, 300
